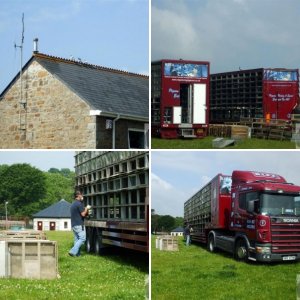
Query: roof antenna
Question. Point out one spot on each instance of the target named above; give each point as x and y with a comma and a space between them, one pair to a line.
22, 116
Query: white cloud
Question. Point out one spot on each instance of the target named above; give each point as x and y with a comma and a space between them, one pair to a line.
229, 33
165, 198
173, 28
159, 183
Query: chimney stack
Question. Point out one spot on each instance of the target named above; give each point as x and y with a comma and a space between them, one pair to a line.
35, 45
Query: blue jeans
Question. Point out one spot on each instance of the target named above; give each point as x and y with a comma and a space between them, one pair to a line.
79, 239
188, 239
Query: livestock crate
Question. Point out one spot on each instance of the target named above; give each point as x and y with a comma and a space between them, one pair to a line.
236, 132
168, 243
36, 259
239, 132
22, 234
3, 259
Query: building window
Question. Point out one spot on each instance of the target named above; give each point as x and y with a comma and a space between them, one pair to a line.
65, 225
136, 139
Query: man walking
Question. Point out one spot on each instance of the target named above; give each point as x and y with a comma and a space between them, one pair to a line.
78, 213
187, 233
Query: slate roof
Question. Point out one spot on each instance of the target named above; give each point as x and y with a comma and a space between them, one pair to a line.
60, 209
109, 90
178, 229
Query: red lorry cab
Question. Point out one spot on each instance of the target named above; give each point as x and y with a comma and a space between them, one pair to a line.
254, 215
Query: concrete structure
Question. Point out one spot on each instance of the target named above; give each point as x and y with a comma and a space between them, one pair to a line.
33, 259
54, 217
62, 103
167, 243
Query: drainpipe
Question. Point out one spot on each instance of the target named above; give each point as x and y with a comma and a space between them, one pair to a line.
114, 131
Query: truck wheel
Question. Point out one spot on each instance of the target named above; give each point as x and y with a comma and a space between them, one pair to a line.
89, 241
97, 245
88, 246
241, 250
211, 243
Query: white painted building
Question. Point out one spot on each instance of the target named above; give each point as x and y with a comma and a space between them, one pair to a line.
177, 231
55, 217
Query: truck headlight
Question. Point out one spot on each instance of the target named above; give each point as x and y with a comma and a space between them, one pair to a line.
263, 250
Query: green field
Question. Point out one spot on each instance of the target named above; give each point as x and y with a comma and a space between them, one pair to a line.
206, 143
194, 273
120, 275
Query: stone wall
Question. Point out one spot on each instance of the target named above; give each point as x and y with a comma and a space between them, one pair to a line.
54, 117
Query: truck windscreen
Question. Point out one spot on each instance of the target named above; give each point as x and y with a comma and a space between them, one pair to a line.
279, 204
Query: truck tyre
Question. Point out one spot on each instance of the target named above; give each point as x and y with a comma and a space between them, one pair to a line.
98, 245
211, 243
89, 241
241, 250
88, 246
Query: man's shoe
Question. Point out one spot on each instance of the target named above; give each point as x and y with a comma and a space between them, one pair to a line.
71, 254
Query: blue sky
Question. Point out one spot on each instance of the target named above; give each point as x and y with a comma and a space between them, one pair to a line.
231, 34
177, 175
43, 160
110, 33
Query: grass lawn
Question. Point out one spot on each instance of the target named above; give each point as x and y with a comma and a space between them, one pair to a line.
120, 275
194, 273
206, 143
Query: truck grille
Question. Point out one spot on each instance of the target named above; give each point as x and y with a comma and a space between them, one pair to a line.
285, 237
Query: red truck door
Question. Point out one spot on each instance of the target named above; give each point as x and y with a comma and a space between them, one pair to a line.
241, 219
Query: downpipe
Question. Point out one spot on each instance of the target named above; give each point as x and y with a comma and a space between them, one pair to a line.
114, 131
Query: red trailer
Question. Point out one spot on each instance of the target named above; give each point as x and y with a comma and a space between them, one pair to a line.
254, 215
179, 98
257, 93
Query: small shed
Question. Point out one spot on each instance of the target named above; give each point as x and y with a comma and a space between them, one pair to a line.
55, 217
177, 231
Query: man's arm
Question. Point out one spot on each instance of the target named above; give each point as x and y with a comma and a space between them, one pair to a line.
84, 213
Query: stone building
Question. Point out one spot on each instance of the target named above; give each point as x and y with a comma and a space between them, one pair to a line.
60, 103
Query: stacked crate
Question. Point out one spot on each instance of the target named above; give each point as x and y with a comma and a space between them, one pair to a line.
115, 184
27, 254
197, 211
236, 94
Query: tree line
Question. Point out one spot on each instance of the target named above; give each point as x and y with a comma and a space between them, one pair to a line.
29, 190
164, 223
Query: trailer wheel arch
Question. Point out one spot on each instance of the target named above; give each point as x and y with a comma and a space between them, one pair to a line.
241, 248
211, 241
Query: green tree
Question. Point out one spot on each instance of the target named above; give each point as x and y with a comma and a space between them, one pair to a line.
58, 187
22, 186
178, 222
64, 172
3, 168
154, 221
53, 170
166, 223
